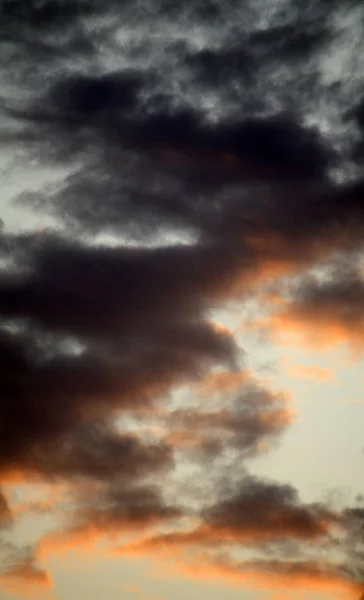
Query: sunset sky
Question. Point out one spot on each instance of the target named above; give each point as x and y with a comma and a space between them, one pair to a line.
181, 300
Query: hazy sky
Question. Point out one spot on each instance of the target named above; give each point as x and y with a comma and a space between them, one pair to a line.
181, 293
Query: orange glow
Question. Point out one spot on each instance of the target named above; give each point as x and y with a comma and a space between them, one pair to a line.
26, 581
309, 578
309, 372
183, 439
254, 579
226, 382
317, 329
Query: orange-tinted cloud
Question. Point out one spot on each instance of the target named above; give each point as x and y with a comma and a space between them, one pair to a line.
257, 514
270, 519
28, 574
223, 382
110, 513
20, 573
6, 515
243, 415
312, 372
323, 314
301, 576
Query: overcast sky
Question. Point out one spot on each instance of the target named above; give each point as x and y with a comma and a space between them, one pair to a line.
181, 295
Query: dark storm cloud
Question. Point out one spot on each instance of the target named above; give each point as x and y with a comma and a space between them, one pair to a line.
42, 14
141, 314
356, 115
180, 154
83, 96
78, 101
193, 175
190, 167
96, 452
112, 114
113, 106
82, 289
49, 406
246, 57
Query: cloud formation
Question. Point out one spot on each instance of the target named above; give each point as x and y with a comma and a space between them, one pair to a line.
5, 512
257, 514
205, 157
19, 569
324, 312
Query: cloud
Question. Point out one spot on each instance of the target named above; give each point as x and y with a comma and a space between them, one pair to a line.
324, 313
208, 151
250, 420
257, 514
269, 509
226, 382
20, 571
69, 437
125, 370
5, 511
99, 291
28, 574
112, 511
300, 575
264, 575
312, 372
101, 453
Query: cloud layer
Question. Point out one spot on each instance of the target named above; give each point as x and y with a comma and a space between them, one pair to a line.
210, 154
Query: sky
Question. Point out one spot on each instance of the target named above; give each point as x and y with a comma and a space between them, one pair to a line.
181, 292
